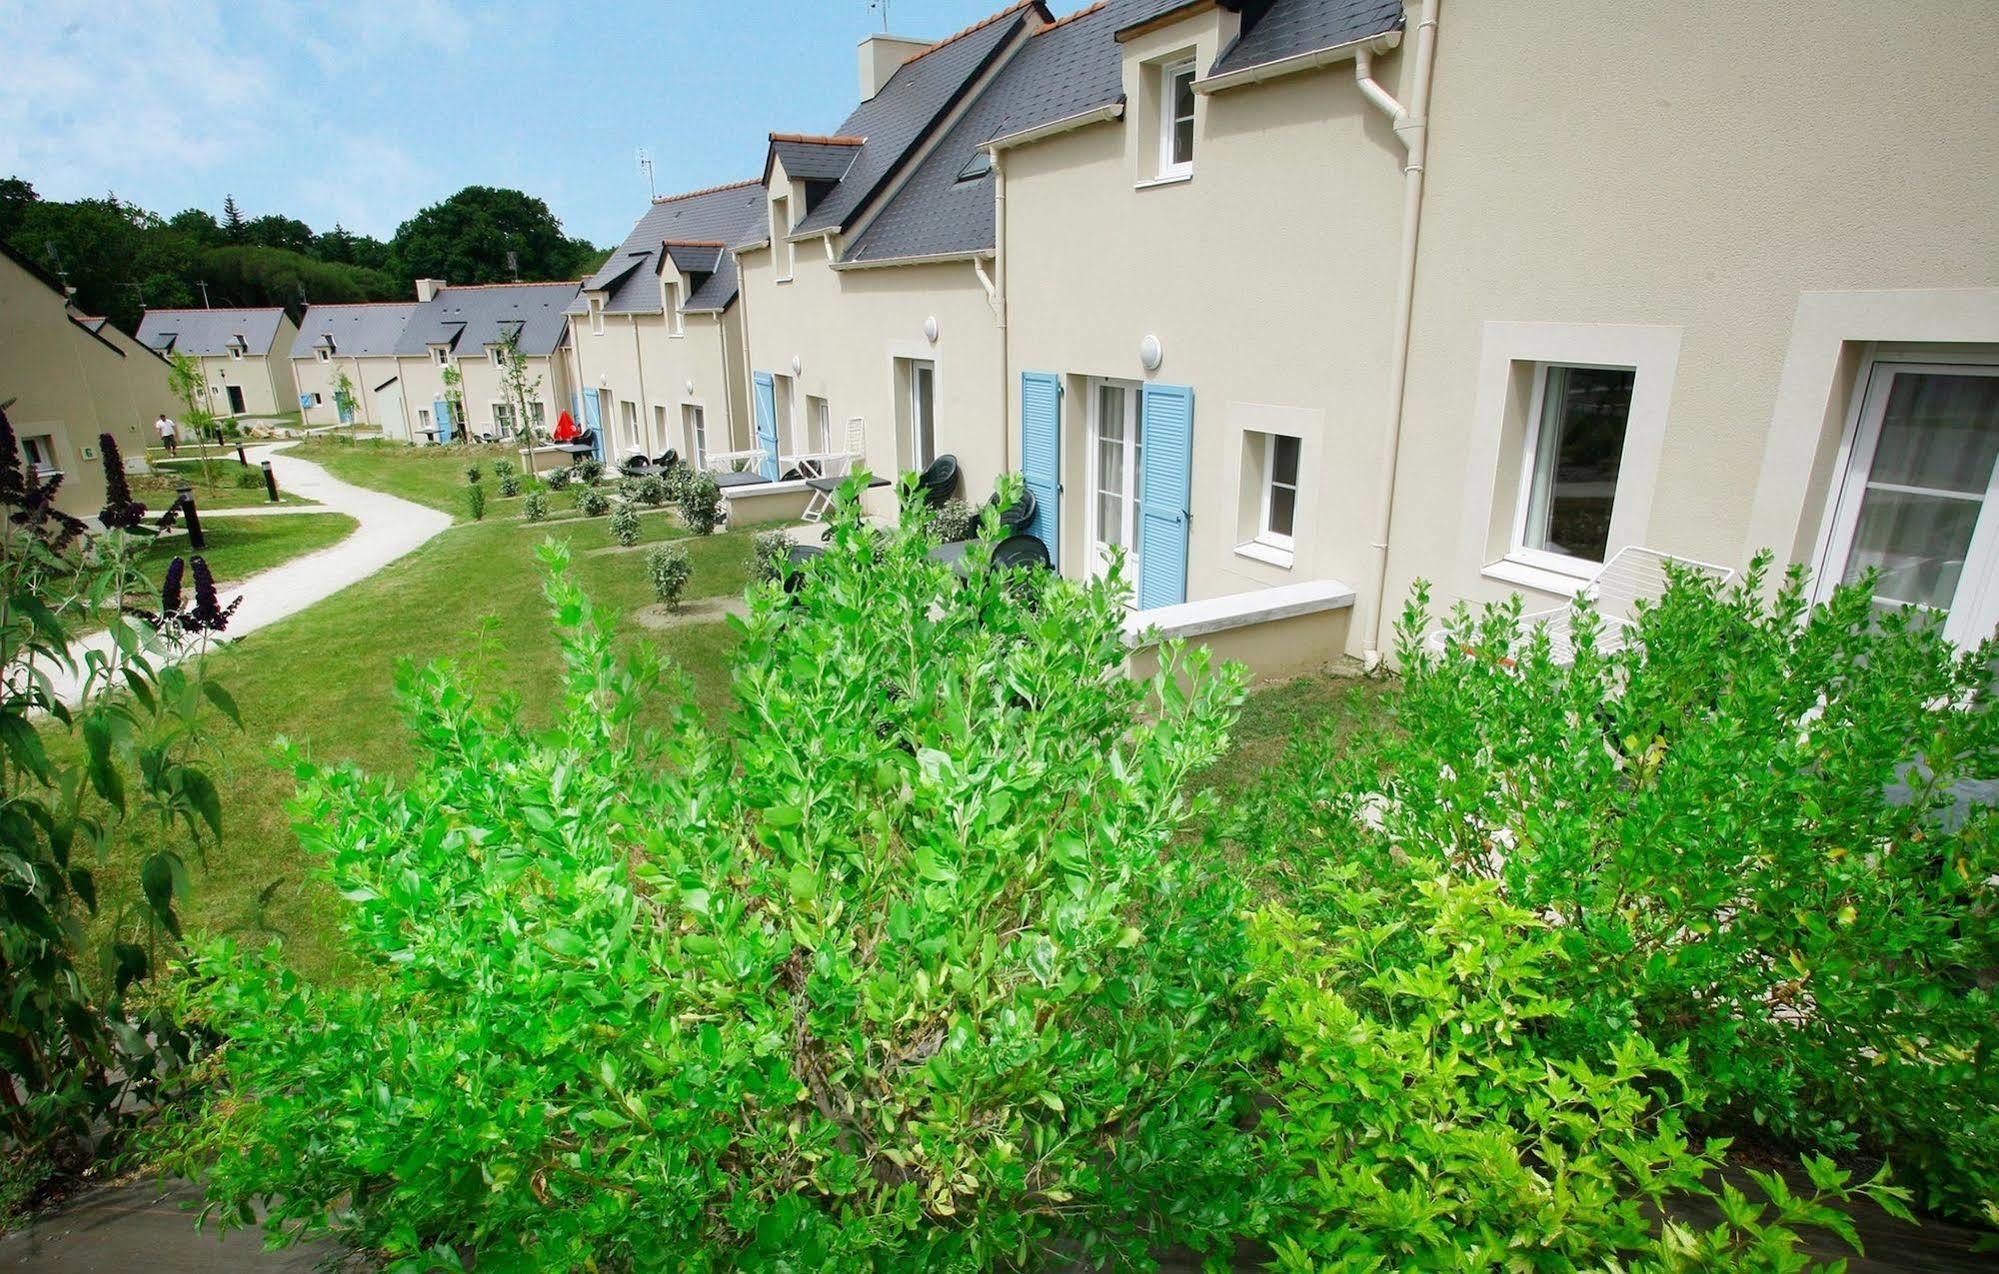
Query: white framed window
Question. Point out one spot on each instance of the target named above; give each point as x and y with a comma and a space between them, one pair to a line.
1918, 499
628, 414
325, 355
1176, 119
670, 301
1277, 519
659, 431
597, 315
423, 419
497, 354
787, 429
1576, 426
440, 355
236, 352
780, 245
818, 425
537, 415
916, 412
695, 421
1116, 475
317, 401
503, 419
39, 452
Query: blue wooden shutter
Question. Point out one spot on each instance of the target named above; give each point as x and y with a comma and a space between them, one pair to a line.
440, 416
766, 421
1041, 455
593, 420
1167, 418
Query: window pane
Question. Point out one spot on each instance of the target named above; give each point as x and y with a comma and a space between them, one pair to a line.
1183, 95
1917, 542
1110, 518
1183, 141
1578, 448
1939, 431
1284, 466
1110, 463
1283, 509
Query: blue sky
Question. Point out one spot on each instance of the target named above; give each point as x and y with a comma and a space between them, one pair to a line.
363, 111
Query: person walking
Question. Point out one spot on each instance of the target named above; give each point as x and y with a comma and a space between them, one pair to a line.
168, 438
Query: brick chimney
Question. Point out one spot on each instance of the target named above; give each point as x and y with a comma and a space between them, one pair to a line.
427, 289
880, 55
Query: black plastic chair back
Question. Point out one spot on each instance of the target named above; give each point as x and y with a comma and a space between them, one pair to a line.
1020, 550
1021, 515
940, 480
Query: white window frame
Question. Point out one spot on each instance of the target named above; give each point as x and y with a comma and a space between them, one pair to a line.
818, 424
597, 315
659, 433
920, 371
41, 469
503, 418
440, 355
694, 421
1132, 496
670, 300
1517, 548
1169, 119
1265, 534
1975, 608
628, 416
780, 240
496, 355
325, 355
236, 353
537, 415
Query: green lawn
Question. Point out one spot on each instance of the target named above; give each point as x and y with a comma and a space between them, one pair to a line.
428, 475
219, 491
237, 548
325, 679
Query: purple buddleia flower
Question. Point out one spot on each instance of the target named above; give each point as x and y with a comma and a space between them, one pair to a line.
120, 510
208, 615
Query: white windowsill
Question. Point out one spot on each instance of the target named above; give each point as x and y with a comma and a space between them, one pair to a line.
1236, 610
1539, 578
1165, 179
1257, 550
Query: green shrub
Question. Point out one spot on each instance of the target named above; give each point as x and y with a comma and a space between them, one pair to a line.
955, 520
534, 506
914, 982
473, 473
647, 489
701, 504
669, 568
589, 470
1422, 1119
502, 467
1705, 818
475, 501
249, 479
558, 478
592, 502
510, 483
625, 524
769, 553
674, 483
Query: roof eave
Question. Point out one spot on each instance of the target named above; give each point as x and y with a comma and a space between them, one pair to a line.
928, 258
1055, 127
1380, 43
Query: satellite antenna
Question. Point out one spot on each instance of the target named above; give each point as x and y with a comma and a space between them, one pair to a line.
881, 6
645, 166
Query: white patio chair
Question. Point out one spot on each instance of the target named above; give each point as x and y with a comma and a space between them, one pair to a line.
1633, 574
836, 464
719, 462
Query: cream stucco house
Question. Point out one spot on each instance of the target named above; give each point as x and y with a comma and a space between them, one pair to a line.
357, 342
65, 379
245, 355
464, 327
656, 347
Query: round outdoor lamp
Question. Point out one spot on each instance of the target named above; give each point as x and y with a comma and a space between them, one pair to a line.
797, 364
930, 329
690, 386
1150, 354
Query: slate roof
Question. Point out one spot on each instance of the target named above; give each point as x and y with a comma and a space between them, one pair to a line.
716, 216
358, 331
818, 159
1289, 28
208, 333
1065, 69
468, 319
908, 110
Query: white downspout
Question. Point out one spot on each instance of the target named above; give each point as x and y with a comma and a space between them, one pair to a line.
1412, 127
996, 295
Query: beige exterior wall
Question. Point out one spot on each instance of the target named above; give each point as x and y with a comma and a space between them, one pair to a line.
640, 359
1727, 209
267, 381
849, 328
134, 387
67, 387
422, 381
1267, 277
384, 410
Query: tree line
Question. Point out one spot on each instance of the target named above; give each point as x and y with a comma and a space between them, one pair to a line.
122, 259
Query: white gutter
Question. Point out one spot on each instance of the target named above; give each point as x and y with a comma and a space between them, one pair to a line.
1412, 126
1069, 123
1298, 62
996, 296
933, 258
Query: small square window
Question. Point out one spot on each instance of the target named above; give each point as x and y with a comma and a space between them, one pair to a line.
977, 166
325, 355
1574, 450
1280, 491
441, 354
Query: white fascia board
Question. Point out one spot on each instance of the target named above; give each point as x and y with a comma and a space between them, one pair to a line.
1083, 119
1298, 62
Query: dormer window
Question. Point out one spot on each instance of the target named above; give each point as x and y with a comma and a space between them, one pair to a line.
1176, 119
441, 355
780, 227
498, 355
236, 351
325, 354
597, 315
670, 301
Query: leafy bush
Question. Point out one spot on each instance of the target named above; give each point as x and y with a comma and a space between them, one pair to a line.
669, 568
558, 478
510, 483
647, 489
914, 982
701, 504
592, 502
625, 524
769, 552
502, 467
474, 472
249, 479
675, 481
1422, 1119
534, 506
589, 470
955, 520
475, 502
1705, 818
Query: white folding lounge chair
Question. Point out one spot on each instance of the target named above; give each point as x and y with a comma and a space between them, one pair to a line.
1632, 575
836, 465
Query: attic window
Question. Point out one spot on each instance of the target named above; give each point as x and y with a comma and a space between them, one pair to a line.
325, 354
977, 166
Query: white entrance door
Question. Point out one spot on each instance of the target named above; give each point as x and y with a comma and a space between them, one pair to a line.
1920, 501
1116, 455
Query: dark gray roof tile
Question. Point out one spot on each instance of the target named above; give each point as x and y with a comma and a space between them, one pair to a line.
815, 159
718, 215
357, 331
470, 318
209, 333
1291, 28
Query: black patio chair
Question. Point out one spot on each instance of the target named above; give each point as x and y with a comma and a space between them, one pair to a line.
795, 559
666, 459
1016, 551
1021, 515
939, 481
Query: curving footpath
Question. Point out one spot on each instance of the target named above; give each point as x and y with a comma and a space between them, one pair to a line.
389, 527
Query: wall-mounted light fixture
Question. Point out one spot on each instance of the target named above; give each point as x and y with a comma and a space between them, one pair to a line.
930, 329
1150, 354
797, 364
690, 386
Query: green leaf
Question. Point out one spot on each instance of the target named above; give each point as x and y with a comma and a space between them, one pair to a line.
222, 701
200, 790
804, 883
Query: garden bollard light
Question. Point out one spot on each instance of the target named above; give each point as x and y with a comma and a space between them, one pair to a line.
270, 482
240, 457
195, 539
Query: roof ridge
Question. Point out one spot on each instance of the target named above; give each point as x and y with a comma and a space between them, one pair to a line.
818, 140
544, 283
214, 309
355, 305
980, 25
1068, 18
706, 190
693, 243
